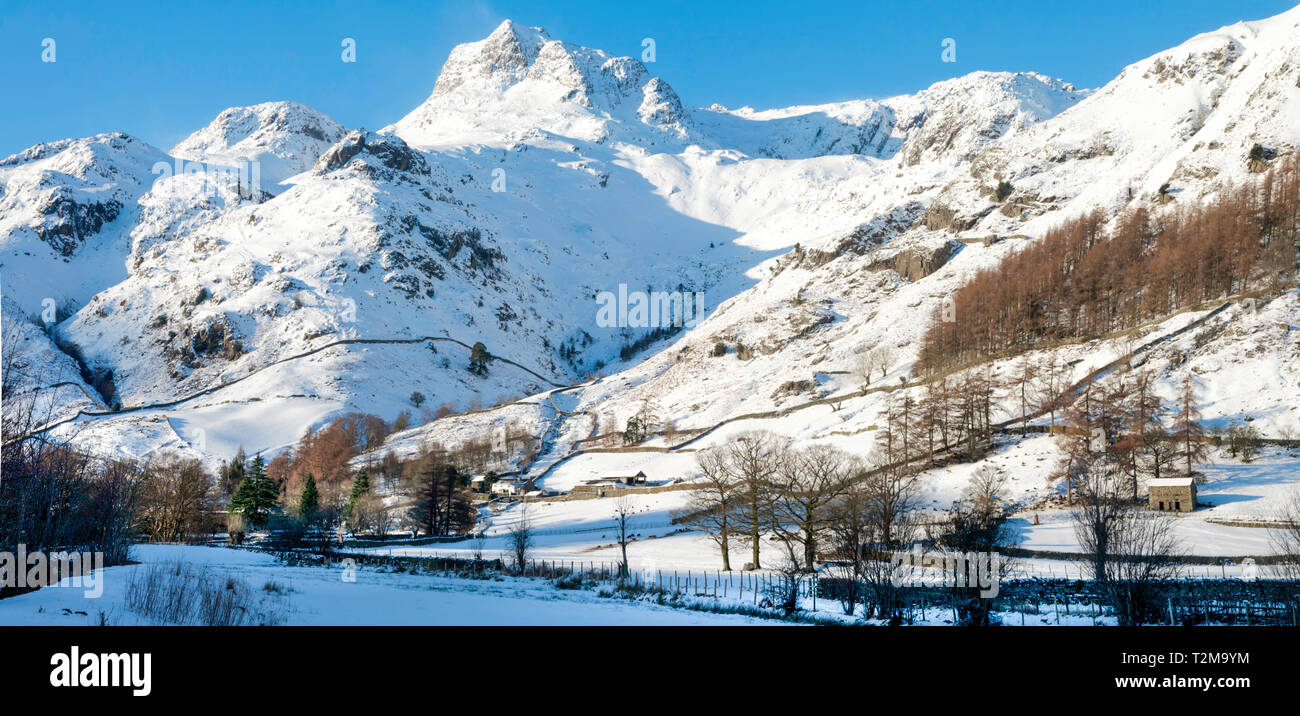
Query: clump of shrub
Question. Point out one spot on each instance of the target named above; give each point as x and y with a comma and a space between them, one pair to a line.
180, 593
235, 529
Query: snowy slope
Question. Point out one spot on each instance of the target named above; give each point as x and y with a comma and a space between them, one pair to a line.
66, 211
539, 173
283, 138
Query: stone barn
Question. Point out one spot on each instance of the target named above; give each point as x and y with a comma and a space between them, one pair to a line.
1172, 494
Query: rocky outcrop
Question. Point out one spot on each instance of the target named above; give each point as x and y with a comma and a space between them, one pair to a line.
375, 152
916, 262
65, 224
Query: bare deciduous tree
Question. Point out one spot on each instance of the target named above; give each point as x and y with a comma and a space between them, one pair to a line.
891, 498
176, 496
863, 367
519, 540
978, 528
712, 505
806, 482
1188, 434
624, 509
850, 538
883, 357
753, 458
1053, 378
1128, 551
1285, 538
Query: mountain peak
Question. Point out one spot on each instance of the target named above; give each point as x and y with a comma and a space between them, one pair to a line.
501, 58
522, 75
284, 137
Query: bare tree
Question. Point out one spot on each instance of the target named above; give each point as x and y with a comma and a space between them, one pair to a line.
1128, 551
1285, 538
883, 357
850, 537
1023, 379
520, 540
624, 509
977, 536
176, 496
1188, 434
806, 483
371, 514
753, 458
892, 498
712, 505
1053, 379
863, 366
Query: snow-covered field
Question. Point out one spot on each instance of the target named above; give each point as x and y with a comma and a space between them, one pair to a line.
320, 596
582, 531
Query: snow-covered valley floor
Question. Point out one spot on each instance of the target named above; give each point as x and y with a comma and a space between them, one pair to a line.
320, 596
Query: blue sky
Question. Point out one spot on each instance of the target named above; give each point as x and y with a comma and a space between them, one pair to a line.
160, 70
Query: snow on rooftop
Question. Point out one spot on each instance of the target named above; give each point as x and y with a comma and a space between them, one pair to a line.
1170, 482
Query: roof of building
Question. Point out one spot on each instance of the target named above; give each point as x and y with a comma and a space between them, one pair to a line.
1171, 482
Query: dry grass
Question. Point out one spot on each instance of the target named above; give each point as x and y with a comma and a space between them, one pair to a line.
186, 594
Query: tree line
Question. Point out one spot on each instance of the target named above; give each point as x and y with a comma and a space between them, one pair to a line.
820, 504
1085, 279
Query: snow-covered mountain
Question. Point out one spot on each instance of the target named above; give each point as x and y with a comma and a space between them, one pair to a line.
66, 211
519, 82
283, 138
539, 174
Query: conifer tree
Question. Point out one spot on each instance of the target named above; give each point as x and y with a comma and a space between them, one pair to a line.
309, 500
478, 359
1188, 433
255, 497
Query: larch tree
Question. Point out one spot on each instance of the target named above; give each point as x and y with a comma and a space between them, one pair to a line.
1188, 434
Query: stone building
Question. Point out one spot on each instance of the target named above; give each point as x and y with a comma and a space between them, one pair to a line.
1172, 494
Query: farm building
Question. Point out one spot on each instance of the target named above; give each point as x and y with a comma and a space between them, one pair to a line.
629, 480
514, 486
1172, 494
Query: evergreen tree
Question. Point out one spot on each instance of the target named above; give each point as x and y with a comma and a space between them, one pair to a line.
255, 497
478, 359
309, 500
439, 507
635, 431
